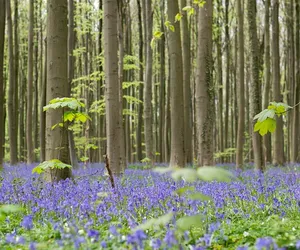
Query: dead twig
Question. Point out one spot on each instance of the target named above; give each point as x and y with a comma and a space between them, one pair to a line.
111, 177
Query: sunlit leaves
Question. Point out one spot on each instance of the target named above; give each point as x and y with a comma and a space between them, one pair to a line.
9, 209
155, 223
268, 125
65, 102
266, 119
178, 17
186, 222
214, 173
71, 116
170, 26
52, 164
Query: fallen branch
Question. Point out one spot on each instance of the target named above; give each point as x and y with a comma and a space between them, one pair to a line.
111, 177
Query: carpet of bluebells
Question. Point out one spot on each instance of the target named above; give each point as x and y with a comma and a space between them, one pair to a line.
253, 211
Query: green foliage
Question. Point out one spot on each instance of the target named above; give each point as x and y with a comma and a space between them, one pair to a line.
156, 223
266, 119
9, 209
71, 116
64, 102
189, 175
170, 26
226, 153
52, 164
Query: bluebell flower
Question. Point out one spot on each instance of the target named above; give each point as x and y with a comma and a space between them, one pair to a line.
298, 245
103, 244
265, 243
32, 246
93, 234
27, 222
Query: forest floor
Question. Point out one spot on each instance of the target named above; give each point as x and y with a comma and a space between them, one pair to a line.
253, 211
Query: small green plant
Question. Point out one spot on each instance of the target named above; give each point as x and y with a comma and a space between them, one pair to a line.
266, 119
52, 164
71, 114
5, 210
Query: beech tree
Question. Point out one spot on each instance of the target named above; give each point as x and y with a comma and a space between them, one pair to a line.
57, 146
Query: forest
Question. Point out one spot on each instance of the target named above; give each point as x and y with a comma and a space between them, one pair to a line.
149, 124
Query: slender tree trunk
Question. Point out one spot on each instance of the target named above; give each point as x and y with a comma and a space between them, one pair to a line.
16, 68
2, 93
110, 34
30, 86
176, 94
227, 82
255, 84
57, 86
42, 113
141, 86
148, 83
186, 57
162, 93
279, 141
241, 102
71, 69
11, 90
205, 106
267, 74
295, 155
121, 132
220, 83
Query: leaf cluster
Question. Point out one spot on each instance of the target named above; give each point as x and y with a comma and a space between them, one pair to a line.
52, 164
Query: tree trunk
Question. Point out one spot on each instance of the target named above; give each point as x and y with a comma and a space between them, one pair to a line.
219, 74
2, 94
30, 86
267, 74
295, 155
162, 94
71, 47
42, 113
255, 104
176, 94
139, 150
11, 91
205, 106
279, 141
57, 86
110, 34
241, 101
148, 83
186, 58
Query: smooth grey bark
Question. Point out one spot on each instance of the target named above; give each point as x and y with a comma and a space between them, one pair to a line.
255, 102
111, 65
205, 107
186, 59
177, 157
162, 94
241, 89
267, 78
2, 41
71, 72
279, 139
11, 90
295, 154
148, 83
57, 86
42, 113
29, 118
141, 86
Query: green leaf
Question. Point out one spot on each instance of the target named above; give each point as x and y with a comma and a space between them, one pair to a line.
63, 102
69, 116
186, 222
199, 196
178, 17
52, 164
181, 191
214, 173
10, 208
162, 170
263, 115
172, 28
158, 34
265, 126
186, 8
187, 174
155, 223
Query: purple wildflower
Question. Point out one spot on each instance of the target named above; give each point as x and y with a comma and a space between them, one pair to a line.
27, 222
